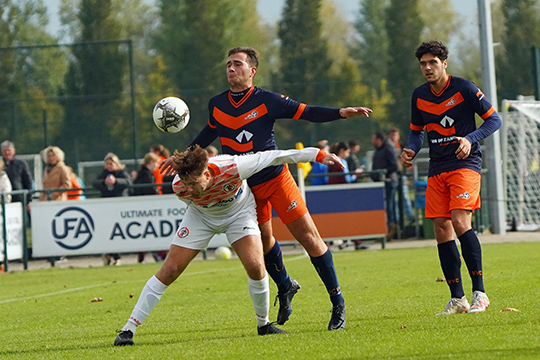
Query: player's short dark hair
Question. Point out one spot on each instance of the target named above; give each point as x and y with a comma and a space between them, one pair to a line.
380, 135
191, 162
253, 55
434, 47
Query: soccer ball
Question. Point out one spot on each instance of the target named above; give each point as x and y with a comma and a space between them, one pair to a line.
171, 115
223, 252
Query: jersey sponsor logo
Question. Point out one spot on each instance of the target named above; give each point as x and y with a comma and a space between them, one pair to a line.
293, 206
229, 187
447, 121
465, 195
244, 136
451, 102
183, 232
253, 115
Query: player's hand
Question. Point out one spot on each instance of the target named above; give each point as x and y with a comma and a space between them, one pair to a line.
331, 159
406, 157
349, 112
166, 166
464, 149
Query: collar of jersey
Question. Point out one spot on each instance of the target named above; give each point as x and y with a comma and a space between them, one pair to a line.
444, 88
243, 99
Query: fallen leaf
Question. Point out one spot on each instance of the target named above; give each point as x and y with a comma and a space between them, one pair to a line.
440, 280
402, 327
508, 309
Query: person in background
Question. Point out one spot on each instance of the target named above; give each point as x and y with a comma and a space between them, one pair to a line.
445, 108
163, 153
352, 161
16, 170
342, 150
393, 138
5, 184
319, 168
384, 158
113, 181
145, 176
56, 174
212, 150
75, 184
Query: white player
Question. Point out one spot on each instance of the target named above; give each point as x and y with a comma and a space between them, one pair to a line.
219, 201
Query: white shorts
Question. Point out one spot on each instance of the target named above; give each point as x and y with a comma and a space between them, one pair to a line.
196, 230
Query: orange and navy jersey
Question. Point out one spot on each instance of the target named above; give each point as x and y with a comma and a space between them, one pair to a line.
244, 123
450, 113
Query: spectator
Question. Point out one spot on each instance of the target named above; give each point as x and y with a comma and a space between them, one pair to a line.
5, 184
75, 183
343, 151
145, 175
385, 158
56, 174
352, 161
113, 181
163, 153
393, 137
319, 168
212, 150
16, 170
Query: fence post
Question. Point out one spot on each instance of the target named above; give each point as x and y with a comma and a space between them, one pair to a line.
4, 232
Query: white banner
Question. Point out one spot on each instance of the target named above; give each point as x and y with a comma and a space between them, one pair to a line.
108, 225
14, 223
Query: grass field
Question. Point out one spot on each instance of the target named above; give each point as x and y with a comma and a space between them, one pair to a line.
391, 298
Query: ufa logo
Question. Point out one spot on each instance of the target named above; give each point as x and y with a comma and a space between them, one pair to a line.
72, 228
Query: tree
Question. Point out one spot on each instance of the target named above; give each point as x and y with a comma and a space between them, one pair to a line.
404, 26
27, 75
193, 39
522, 32
94, 84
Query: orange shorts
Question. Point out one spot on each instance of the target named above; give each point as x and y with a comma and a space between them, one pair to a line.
283, 195
458, 189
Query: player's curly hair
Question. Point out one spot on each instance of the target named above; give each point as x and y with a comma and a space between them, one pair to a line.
434, 47
253, 55
191, 162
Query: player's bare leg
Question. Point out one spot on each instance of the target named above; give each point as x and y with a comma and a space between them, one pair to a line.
250, 251
176, 262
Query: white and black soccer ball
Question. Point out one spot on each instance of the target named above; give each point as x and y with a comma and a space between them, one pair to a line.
171, 114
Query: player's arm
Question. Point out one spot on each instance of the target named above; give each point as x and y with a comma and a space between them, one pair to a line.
253, 163
492, 122
416, 136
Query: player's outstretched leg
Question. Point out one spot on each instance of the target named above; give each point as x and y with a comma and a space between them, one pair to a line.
150, 296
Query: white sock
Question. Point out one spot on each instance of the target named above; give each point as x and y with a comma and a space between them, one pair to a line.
150, 295
260, 295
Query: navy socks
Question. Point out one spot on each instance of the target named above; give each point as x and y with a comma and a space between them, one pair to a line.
276, 269
472, 254
451, 267
324, 265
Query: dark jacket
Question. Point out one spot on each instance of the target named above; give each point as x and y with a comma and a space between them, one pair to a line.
118, 189
19, 176
385, 158
144, 176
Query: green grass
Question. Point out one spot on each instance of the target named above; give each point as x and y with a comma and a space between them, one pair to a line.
391, 298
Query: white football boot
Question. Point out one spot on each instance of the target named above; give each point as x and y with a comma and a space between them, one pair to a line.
456, 306
479, 302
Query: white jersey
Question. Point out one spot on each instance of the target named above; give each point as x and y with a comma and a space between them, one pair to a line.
229, 192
